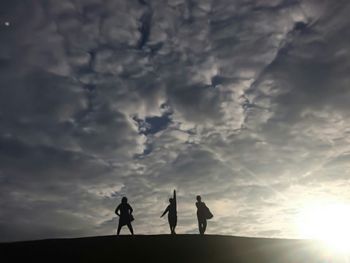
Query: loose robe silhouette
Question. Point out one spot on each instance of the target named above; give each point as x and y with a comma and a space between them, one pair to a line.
203, 213
172, 213
124, 211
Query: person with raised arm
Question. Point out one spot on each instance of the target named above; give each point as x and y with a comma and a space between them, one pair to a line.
172, 213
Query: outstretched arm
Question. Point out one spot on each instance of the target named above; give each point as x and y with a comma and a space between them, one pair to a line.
165, 211
174, 198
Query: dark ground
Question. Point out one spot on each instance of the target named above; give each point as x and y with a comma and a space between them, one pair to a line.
163, 248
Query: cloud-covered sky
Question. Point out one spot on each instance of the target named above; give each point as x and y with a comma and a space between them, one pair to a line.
244, 102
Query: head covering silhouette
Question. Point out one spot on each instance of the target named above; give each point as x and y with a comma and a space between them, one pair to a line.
124, 211
172, 213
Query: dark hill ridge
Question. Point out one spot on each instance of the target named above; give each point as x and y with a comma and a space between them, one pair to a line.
163, 248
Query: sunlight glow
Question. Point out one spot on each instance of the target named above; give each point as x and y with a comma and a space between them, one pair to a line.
329, 223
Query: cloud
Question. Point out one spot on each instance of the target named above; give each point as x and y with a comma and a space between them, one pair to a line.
244, 103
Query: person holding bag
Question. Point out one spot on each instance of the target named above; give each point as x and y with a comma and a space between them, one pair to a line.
203, 213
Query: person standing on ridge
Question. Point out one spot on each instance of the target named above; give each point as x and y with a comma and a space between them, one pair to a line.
203, 213
172, 213
124, 211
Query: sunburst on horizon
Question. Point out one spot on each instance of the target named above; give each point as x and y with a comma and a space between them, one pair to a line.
328, 222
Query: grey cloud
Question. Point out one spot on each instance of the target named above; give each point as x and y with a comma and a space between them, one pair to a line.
243, 102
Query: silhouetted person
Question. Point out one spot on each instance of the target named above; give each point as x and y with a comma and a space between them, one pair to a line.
124, 211
203, 213
172, 213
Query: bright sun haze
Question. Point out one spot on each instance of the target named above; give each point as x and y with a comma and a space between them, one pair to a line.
328, 222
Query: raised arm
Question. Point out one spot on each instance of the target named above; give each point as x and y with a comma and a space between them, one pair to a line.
174, 198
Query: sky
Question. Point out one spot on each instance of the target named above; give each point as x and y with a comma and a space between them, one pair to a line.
243, 102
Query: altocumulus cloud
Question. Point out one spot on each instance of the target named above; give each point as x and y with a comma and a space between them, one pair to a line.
244, 102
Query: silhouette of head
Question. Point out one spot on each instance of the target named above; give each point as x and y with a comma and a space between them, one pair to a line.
199, 198
171, 200
124, 200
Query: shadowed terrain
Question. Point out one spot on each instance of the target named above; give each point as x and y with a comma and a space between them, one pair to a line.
163, 248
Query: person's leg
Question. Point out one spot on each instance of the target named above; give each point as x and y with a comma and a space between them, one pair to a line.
204, 225
130, 228
119, 227
171, 228
200, 227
